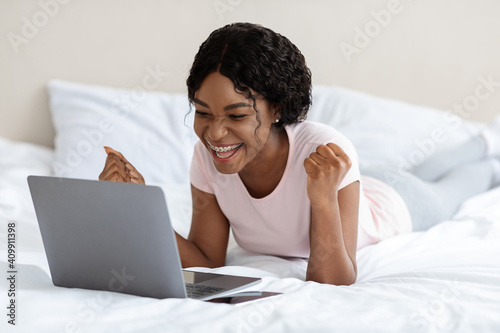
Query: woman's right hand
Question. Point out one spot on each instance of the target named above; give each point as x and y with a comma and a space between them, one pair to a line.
118, 169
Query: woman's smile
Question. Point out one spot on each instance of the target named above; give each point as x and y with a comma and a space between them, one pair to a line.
224, 152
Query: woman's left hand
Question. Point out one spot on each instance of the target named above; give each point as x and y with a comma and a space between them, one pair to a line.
325, 168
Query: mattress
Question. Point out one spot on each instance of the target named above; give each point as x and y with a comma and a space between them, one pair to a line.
445, 279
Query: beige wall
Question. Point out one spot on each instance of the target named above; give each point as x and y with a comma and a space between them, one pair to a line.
429, 52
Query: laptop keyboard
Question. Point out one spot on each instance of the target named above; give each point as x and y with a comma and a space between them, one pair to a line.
200, 291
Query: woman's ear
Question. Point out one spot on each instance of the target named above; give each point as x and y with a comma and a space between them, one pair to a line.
277, 110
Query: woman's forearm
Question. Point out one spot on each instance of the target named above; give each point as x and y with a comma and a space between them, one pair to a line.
191, 255
329, 261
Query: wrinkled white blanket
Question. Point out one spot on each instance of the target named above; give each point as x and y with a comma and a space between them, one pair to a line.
446, 279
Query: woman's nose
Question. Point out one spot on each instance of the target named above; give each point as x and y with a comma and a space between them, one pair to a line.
217, 130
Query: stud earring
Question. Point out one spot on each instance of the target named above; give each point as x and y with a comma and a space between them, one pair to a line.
277, 120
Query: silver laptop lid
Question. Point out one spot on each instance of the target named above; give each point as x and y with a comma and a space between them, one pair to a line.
96, 236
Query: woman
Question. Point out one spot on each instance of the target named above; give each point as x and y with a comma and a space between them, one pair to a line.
285, 186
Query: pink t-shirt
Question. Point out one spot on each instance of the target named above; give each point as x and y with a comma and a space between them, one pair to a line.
278, 224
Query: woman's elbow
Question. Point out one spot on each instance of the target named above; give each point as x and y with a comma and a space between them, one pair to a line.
344, 280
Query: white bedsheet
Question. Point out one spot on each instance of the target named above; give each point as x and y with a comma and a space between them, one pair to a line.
444, 280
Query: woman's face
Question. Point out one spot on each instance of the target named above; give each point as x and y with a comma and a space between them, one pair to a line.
226, 123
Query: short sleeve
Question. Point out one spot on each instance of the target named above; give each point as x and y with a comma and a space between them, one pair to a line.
200, 169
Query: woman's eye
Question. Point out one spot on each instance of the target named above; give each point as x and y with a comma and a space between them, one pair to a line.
201, 113
237, 116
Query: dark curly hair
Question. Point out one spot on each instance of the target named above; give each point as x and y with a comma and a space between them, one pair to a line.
257, 58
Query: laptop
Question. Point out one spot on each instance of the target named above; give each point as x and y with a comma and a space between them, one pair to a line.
118, 237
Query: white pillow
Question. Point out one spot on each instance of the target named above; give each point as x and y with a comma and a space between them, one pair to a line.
385, 131
148, 128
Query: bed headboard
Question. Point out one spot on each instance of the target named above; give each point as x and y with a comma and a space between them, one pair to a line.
442, 54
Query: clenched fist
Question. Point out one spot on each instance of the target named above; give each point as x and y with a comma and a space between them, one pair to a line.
118, 169
325, 168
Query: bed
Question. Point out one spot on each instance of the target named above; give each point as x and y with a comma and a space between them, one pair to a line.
446, 279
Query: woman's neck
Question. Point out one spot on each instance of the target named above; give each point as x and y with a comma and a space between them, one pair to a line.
264, 173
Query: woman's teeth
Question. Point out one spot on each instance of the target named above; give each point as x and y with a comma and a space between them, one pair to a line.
219, 150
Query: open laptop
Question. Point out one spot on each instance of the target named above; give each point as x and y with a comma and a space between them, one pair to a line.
117, 237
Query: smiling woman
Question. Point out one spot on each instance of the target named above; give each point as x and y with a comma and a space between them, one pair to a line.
227, 123
286, 186
273, 178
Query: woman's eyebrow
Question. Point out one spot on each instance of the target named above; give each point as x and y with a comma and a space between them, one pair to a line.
197, 101
237, 105
227, 107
